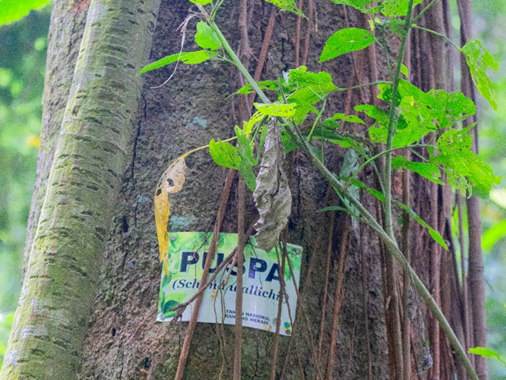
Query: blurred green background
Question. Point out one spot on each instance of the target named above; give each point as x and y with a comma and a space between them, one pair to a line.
489, 21
22, 64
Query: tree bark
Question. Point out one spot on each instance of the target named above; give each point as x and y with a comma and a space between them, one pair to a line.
475, 275
65, 33
90, 157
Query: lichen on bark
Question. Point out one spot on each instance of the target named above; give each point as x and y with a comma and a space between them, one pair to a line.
91, 156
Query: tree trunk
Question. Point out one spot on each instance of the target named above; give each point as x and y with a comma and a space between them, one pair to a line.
127, 297
96, 238
475, 277
90, 157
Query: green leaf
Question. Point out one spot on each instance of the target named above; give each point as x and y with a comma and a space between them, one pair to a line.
302, 88
245, 150
261, 142
376, 134
201, 2
191, 58
344, 41
238, 157
306, 88
418, 122
433, 233
404, 71
289, 141
426, 170
332, 208
462, 166
269, 85
405, 89
421, 109
420, 112
302, 111
287, 5
329, 134
224, 154
276, 109
375, 193
301, 78
448, 108
493, 234
480, 61
357, 4
245, 146
381, 116
348, 118
329, 123
254, 120
206, 38
396, 8
13, 10
486, 353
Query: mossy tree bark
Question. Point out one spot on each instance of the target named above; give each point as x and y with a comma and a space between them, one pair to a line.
84, 180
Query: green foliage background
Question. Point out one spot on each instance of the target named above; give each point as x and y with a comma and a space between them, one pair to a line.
22, 62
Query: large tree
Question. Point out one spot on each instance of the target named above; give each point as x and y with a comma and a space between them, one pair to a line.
90, 292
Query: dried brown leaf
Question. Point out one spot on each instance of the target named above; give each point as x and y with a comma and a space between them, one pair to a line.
272, 194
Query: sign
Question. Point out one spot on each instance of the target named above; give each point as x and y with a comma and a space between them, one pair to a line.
261, 282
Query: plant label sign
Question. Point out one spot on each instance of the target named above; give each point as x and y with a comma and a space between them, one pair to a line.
261, 282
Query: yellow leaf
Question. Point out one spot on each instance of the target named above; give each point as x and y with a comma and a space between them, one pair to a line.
171, 182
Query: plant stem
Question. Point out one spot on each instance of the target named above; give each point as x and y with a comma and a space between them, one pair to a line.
202, 147
373, 158
439, 35
238, 62
317, 120
215, 9
415, 19
392, 127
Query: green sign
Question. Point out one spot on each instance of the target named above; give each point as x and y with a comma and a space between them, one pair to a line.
261, 282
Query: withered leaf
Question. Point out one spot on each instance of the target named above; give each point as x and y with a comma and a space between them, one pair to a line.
170, 182
272, 194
